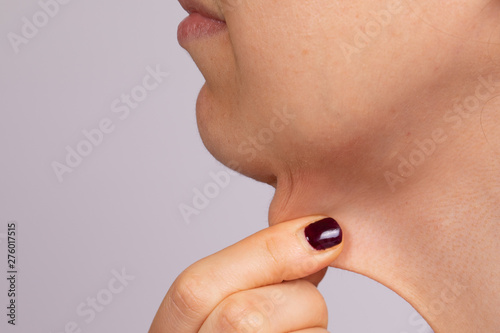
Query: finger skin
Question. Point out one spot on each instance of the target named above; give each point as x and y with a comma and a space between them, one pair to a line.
287, 306
312, 330
316, 277
270, 256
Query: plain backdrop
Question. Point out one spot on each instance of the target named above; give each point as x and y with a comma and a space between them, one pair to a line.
117, 210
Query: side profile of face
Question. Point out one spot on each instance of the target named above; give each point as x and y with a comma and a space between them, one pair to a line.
321, 98
293, 87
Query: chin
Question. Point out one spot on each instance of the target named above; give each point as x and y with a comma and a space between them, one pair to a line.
222, 137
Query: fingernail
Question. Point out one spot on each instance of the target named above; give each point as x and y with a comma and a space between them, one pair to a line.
323, 234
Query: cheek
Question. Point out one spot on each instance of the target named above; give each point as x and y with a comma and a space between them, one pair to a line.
290, 54
287, 53
287, 56
281, 59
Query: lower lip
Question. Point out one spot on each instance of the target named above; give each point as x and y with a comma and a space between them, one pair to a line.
196, 26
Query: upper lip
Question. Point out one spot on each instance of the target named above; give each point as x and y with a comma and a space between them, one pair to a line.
193, 6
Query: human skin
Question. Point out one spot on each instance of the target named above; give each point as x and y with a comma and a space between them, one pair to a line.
429, 229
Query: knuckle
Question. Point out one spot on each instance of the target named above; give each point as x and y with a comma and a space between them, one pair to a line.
319, 308
240, 314
323, 313
188, 295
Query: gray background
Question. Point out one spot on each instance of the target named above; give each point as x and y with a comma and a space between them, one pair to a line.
119, 209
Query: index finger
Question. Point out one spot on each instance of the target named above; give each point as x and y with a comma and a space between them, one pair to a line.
286, 251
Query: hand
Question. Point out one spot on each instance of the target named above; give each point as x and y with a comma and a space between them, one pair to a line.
264, 283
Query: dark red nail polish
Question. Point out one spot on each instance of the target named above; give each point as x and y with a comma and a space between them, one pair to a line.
323, 234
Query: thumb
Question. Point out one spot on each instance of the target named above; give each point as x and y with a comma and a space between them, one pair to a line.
322, 234
286, 251
289, 250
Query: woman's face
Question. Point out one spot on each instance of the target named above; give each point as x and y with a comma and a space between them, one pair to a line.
297, 85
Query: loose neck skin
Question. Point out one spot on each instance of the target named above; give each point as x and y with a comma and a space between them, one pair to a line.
432, 234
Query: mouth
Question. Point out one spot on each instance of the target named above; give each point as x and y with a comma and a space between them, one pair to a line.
201, 22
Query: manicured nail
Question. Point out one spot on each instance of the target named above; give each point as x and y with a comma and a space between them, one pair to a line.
323, 234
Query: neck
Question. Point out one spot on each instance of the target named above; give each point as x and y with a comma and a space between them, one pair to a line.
430, 233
